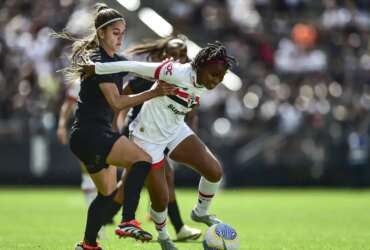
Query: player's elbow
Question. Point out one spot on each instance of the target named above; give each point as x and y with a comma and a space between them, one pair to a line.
115, 104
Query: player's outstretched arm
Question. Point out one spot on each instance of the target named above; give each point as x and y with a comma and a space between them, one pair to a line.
142, 68
165, 70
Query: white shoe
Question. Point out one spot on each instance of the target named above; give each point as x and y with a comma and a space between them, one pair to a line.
188, 233
208, 219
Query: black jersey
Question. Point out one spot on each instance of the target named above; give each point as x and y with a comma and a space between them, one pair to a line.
93, 108
137, 85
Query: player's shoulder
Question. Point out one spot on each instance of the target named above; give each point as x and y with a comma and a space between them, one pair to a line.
186, 67
187, 74
183, 71
96, 55
99, 55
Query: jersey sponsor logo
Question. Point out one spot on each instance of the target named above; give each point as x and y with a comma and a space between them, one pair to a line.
175, 110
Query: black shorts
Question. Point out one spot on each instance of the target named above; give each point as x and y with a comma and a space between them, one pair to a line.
92, 146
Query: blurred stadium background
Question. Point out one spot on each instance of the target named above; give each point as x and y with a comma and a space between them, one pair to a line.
298, 114
294, 114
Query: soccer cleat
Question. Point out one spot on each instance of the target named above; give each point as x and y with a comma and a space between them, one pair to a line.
133, 229
84, 246
167, 244
207, 219
188, 233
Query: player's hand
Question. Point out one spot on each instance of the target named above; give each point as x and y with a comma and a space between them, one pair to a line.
62, 135
164, 88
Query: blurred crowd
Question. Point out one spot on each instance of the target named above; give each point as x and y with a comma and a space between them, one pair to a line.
301, 115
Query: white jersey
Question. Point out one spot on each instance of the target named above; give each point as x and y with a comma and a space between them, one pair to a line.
161, 118
73, 90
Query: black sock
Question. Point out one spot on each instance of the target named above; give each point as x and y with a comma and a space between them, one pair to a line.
174, 215
111, 210
133, 184
100, 211
95, 218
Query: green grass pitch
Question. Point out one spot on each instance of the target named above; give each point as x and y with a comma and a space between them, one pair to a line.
51, 218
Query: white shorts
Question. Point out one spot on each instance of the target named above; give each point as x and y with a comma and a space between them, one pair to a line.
156, 151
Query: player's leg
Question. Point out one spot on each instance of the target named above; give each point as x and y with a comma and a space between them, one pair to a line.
89, 191
193, 152
183, 232
158, 192
104, 150
104, 181
130, 228
87, 185
126, 153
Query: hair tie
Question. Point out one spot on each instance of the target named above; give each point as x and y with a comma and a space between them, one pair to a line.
216, 61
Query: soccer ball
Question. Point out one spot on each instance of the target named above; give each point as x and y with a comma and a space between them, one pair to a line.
221, 237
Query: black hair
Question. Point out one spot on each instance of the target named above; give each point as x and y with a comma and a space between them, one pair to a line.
156, 50
82, 47
213, 51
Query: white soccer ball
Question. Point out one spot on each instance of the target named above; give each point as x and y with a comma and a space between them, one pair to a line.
221, 237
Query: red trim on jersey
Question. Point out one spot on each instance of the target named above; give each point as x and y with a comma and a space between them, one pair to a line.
158, 165
206, 195
158, 69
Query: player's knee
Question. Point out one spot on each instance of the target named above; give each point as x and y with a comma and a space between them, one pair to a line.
216, 174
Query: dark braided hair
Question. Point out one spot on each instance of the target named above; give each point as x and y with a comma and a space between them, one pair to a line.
213, 51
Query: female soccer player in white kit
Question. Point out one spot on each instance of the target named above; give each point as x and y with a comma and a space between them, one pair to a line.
160, 125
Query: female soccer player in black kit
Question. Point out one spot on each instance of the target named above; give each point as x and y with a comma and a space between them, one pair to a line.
156, 51
160, 125
94, 139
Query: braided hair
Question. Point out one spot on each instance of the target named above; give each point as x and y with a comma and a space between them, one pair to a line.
213, 51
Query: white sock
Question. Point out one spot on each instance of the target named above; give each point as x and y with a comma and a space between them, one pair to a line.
159, 219
88, 188
206, 191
